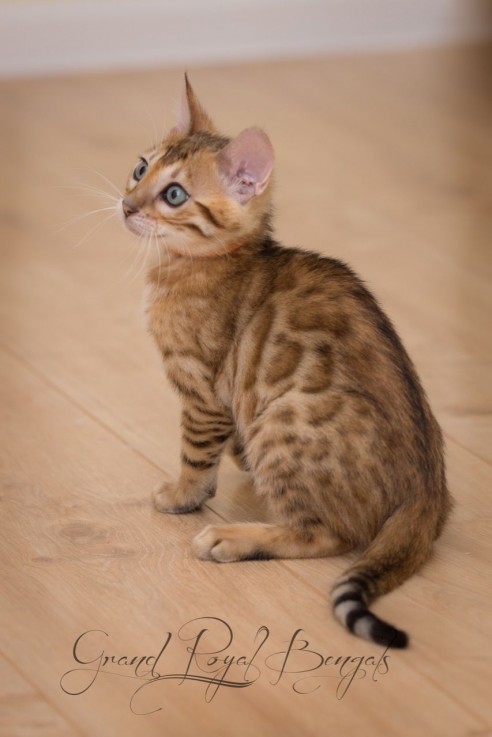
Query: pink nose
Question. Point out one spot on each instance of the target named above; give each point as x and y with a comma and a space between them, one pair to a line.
128, 207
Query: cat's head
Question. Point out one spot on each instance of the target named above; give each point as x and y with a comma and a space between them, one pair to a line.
200, 194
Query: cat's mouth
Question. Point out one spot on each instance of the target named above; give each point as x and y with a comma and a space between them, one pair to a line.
137, 223
139, 227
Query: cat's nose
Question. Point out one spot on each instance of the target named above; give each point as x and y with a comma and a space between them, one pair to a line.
129, 208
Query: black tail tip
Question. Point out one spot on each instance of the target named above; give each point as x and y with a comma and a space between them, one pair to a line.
387, 635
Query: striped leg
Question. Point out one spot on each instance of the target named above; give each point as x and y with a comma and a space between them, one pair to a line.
204, 436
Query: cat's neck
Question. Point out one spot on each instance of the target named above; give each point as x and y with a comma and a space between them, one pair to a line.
173, 272
170, 272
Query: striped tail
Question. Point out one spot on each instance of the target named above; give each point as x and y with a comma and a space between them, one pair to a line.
399, 549
350, 599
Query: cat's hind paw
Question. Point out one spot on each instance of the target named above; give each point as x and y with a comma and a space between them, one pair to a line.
228, 543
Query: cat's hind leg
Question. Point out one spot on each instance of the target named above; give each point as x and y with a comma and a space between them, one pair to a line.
291, 472
255, 541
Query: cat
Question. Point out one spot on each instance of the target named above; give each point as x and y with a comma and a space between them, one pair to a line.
286, 359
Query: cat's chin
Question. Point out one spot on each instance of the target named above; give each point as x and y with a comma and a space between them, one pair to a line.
139, 228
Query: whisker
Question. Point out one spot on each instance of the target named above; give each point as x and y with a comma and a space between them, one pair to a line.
88, 190
156, 244
99, 195
146, 256
168, 255
135, 268
162, 240
108, 181
94, 229
77, 218
136, 258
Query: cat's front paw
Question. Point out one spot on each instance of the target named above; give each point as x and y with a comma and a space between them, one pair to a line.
170, 498
226, 543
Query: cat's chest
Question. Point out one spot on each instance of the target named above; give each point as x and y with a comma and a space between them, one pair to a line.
173, 324
187, 327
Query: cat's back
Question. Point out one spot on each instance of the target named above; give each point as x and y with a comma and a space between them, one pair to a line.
320, 331
320, 297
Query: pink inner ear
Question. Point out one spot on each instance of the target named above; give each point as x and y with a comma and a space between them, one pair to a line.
247, 163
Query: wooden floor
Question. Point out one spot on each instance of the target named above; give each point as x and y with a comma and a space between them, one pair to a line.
384, 161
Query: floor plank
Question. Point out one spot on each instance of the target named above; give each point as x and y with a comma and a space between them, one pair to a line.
24, 712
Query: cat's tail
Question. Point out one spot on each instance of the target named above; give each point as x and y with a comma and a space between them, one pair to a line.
402, 545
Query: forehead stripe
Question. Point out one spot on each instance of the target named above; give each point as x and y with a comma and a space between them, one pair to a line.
186, 147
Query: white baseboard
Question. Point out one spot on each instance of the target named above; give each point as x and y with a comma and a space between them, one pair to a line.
83, 35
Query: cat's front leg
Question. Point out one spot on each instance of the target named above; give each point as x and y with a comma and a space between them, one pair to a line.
205, 433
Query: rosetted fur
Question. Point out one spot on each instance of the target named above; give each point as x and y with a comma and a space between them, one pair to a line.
286, 358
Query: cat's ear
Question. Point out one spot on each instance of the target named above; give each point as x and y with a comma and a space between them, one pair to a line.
247, 163
192, 118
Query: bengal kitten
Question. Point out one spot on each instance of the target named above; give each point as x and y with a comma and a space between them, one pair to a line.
287, 358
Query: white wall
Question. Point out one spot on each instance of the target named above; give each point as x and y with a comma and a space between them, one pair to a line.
52, 36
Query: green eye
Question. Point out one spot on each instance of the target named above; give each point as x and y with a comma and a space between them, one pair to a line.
140, 170
175, 195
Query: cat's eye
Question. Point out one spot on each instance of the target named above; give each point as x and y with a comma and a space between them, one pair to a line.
140, 170
175, 195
